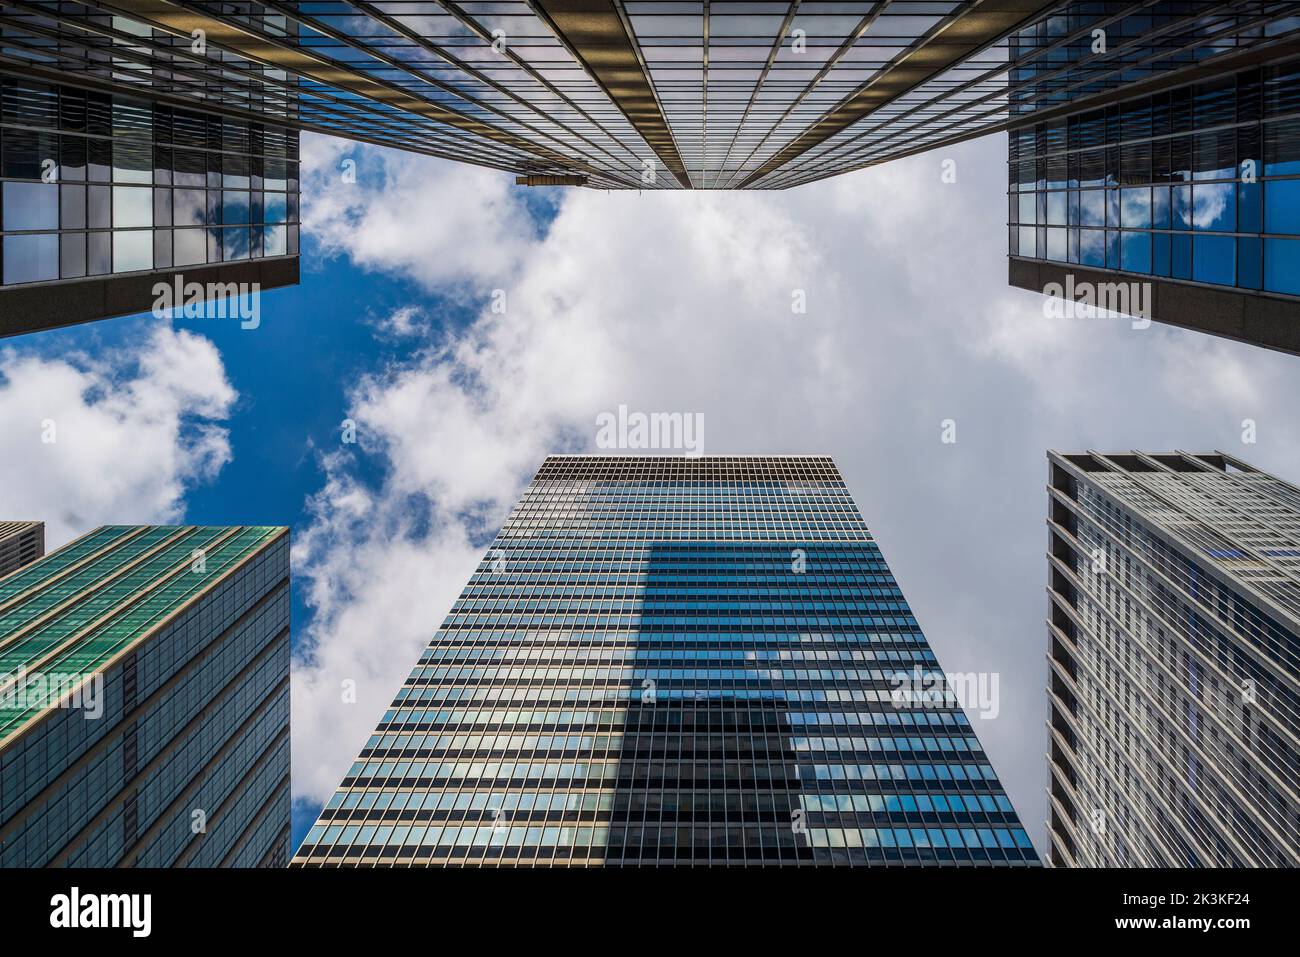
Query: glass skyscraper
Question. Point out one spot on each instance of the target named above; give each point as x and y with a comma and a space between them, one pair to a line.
675, 661
1171, 186
1154, 141
1173, 204
20, 543
641, 94
103, 195
665, 95
144, 701
1174, 662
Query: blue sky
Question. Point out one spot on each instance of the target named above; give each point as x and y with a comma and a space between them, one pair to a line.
663, 303
292, 374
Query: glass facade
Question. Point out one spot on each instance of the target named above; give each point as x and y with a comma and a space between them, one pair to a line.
1175, 662
1199, 184
707, 95
761, 95
94, 184
669, 661
144, 701
1151, 139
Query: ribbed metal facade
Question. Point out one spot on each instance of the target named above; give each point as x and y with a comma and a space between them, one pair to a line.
20, 544
1174, 662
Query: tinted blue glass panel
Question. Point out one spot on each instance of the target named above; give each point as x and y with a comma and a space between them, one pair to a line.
1249, 219
99, 253
1135, 208
1135, 252
1094, 162
1214, 206
1182, 216
1092, 247
1181, 158
132, 207
275, 207
1182, 256
1092, 208
1282, 206
72, 208
1282, 265
72, 252
190, 246
1160, 248
1214, 260
235, 243
1160, 207
234, 208
1250, 262
273, 242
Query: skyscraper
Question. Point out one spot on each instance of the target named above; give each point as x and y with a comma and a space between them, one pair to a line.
646, 94
675, 661
1100, 98
108, 198
20, 543
616, 95
1174, 662
1173, 196
144, 701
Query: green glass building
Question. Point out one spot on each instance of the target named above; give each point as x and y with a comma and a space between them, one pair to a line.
144, 700
675, 661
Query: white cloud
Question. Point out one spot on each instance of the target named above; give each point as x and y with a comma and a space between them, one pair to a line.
403, 321
376, 582
682, 302
461, 227
131, 432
